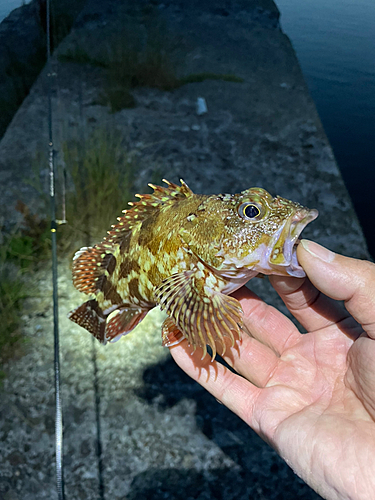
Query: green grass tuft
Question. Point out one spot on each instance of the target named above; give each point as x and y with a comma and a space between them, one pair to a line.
101, 172
13, 291
15, 256
22, 251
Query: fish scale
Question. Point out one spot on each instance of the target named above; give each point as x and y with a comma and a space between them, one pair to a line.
186, 253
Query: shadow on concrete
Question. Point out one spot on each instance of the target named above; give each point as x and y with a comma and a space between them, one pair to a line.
258, 473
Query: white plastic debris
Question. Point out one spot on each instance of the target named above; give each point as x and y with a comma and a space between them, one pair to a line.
201, 106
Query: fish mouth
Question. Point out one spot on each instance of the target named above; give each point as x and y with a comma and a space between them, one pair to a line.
283, 257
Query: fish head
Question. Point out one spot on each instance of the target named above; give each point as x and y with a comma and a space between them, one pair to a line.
262, 233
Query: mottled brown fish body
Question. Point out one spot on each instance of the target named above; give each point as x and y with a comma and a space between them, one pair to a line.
186, 252
156, 249
152, 253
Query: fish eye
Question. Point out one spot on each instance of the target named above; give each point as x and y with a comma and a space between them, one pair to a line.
250, 211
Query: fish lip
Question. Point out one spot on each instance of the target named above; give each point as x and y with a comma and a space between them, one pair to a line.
298, 222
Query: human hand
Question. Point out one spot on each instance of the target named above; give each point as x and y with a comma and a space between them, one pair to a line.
310, 396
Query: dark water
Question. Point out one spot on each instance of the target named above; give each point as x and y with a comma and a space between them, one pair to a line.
335, 45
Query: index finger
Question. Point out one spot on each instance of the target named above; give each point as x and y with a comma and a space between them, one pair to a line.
312, 308
342, 278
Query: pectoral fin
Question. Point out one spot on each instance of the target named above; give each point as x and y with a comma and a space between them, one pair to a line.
203, 315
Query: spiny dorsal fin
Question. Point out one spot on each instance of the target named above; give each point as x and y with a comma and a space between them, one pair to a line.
170, 193
146, 206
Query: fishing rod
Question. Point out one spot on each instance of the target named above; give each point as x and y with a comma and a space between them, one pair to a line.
51, 166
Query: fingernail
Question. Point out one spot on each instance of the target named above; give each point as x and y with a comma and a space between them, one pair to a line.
318, 251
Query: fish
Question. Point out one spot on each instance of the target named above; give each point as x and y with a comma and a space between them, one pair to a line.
186, 253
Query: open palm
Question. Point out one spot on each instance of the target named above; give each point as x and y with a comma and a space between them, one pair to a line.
311, 396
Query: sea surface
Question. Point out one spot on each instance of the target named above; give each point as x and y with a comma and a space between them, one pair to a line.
335, 45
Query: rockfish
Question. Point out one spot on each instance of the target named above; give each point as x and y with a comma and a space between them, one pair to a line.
186, 253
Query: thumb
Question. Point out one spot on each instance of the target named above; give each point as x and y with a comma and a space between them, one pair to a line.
342, 278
